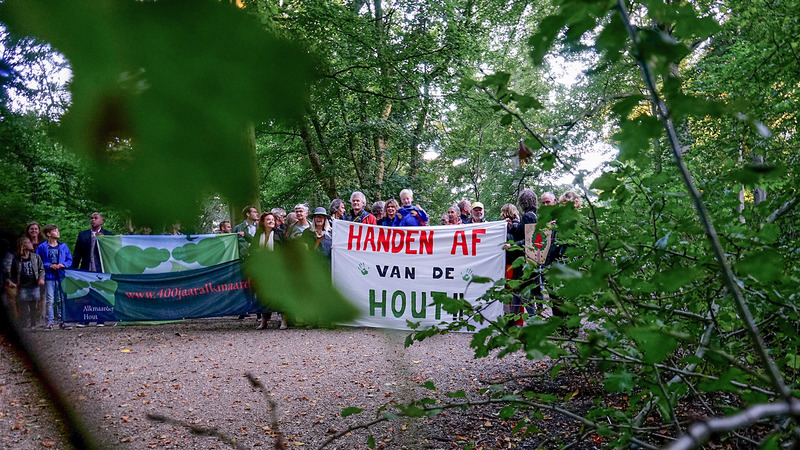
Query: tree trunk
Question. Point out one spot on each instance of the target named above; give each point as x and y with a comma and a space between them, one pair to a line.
327, 182
416, 139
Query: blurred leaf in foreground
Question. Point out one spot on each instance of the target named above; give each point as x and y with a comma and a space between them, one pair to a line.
163, 95
297, 282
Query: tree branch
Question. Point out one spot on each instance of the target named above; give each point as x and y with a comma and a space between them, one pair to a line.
705, 219
699, 433
786, 207
595, 108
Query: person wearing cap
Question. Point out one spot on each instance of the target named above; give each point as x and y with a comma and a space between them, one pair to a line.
318, 235
477, 213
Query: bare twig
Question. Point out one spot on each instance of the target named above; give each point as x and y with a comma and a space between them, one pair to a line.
201, 431
273, 407
701, 432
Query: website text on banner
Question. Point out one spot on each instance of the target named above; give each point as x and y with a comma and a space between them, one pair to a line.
392, 273
220, 290
165, 253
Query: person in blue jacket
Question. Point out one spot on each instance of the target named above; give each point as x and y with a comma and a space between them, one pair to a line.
56, 257
410, 215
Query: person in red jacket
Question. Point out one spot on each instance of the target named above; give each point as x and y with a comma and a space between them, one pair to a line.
358, 214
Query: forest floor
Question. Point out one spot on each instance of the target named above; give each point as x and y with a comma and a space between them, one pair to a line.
195, 373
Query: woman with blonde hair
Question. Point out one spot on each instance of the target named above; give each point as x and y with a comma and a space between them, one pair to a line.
318, 234
390, 216
571, 197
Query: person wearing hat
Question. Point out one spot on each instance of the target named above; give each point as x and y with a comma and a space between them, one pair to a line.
477, 213
318, 235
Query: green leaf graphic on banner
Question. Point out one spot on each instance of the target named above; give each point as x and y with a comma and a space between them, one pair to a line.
178, 267
206, 252
109, 246
132, 259
106, 288
71, 286
297, 282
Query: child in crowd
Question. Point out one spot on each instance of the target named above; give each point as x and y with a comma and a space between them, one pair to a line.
27, 276
56, 257
410, 215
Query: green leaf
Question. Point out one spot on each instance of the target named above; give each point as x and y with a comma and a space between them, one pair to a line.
671, 280
480, 280
428, 385
411, 411
371, 441
723, 383
293, 265
350, 410
612, 41
547, 161
754, 176
654, 343
533, 144
605, 182
793, 361
525, 102
497, 80
765, 265
541, 42
636, 136
165, 88
507, 412
769, 233
619, 381
689, 26
457, 394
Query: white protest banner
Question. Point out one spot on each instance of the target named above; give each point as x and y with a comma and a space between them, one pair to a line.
392, 273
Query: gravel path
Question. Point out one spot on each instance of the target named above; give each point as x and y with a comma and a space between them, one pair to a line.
195, 372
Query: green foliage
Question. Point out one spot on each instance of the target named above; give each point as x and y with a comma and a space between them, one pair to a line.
129, 98
311, 298
639, 282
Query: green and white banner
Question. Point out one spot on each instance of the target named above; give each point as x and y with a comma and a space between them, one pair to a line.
221, 290
136, 254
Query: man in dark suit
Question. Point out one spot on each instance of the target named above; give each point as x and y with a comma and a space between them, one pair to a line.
87, 254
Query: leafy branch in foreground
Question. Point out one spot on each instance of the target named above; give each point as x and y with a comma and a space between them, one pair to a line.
663, 282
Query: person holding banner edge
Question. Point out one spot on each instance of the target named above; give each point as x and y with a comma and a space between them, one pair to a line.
87, 253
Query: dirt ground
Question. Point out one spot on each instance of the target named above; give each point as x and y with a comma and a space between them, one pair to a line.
195, 374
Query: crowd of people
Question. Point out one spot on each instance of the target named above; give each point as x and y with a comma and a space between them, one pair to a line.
32, 274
